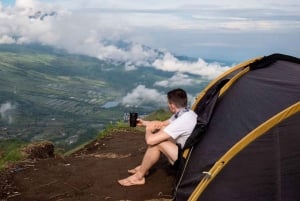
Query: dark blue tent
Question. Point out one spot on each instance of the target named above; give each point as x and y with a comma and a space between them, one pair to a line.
246, 144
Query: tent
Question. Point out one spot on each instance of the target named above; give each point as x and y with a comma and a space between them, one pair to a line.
246, 144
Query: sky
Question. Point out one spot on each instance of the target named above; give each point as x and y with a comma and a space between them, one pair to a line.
216, 29
220, 30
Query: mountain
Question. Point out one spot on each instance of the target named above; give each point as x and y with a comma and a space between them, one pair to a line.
49, 94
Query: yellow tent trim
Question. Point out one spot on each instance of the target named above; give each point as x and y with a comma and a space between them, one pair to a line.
250, 137
235, 68
232, 80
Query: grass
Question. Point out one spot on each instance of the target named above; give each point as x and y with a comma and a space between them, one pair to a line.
110, 128
160, 115
10, 152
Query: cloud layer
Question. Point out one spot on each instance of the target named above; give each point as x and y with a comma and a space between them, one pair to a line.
214, 29
95, 32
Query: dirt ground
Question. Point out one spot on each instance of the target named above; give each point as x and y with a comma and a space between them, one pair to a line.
90, 174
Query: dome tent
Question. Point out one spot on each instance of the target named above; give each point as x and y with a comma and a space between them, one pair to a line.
246, 144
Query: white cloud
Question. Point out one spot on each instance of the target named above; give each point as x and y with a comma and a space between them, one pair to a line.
135, 54
6, 110
141, 96
5, 39
178, 80
80, 26
77, 32
25, 4
130, 67
250, 25
200, 67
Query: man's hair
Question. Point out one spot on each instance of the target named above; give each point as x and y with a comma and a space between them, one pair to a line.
178, 97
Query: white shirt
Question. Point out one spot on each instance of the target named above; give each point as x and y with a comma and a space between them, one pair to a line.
180, 128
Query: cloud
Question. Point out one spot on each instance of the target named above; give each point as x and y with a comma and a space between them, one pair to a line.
130, 67
178, 80
26, 4
82, 26
135, 54
5, 39
77, 32
142, 96
6, 111
200, 67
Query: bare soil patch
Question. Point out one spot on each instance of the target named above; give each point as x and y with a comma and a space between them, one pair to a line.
89, 174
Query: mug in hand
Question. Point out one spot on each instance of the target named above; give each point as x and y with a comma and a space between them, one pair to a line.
133, 119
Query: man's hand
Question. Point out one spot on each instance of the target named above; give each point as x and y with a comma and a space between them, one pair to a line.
155, 126
141, 122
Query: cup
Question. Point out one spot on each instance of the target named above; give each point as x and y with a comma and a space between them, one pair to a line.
133, 119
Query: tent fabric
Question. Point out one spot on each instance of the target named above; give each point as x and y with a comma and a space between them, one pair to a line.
249, 138
268, 168
271, 174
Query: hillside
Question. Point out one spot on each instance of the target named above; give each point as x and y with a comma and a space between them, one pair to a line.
90, 173
46, 93
49, 96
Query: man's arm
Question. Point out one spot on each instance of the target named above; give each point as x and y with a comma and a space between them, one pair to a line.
154, 125
155, 138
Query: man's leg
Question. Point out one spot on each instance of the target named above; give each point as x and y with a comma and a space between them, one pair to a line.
134, 170
168, 148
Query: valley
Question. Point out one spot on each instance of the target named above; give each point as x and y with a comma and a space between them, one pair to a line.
49, 94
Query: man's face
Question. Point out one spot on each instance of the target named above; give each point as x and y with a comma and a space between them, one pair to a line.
172, 107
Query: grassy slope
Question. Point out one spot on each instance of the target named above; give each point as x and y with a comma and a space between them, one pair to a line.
10, 152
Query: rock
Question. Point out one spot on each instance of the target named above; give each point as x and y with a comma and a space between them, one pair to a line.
39, 150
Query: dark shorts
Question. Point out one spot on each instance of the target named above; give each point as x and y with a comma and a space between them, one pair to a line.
177, 162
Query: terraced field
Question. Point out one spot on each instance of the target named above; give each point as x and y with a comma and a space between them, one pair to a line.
54, 96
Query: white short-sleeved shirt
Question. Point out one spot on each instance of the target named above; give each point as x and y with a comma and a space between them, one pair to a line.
180, 128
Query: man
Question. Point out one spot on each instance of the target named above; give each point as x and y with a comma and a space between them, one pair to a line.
166, 137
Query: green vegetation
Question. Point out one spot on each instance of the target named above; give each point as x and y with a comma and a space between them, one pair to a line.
160, 115
10, 152
110, 128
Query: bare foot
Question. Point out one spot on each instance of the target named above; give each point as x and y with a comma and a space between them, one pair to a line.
132, 180
136, 169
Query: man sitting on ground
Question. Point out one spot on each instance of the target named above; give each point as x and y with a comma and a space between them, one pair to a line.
166, 137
